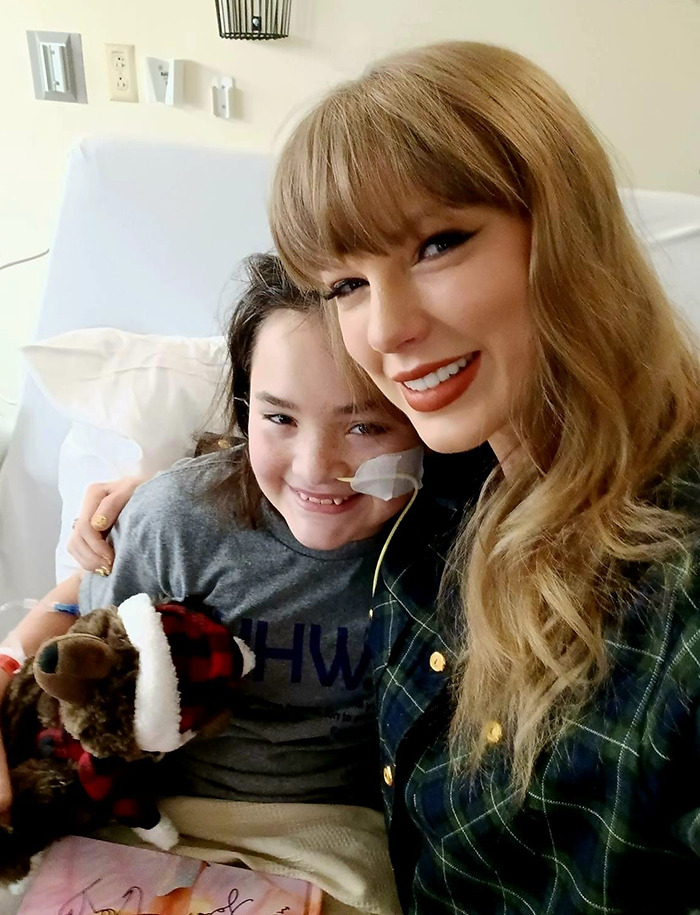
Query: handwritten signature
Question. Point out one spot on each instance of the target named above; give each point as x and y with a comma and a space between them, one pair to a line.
132, 900
85, 905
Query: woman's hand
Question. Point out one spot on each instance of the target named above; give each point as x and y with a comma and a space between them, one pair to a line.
102, 505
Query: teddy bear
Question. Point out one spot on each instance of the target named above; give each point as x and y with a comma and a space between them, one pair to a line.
86, 721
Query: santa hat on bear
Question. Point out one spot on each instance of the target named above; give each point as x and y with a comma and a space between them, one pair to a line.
188, 663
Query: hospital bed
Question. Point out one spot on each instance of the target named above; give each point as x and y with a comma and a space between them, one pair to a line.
148, 239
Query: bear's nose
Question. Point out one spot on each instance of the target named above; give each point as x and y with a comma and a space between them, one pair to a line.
48, 658
68, 667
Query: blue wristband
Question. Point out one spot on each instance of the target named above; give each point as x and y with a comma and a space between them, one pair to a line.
70, 609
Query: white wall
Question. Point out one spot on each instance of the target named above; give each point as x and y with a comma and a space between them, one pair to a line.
633, 65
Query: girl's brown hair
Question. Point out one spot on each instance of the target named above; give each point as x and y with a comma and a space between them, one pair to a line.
612, 408
268, 289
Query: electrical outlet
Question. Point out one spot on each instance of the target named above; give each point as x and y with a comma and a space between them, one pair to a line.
121, 73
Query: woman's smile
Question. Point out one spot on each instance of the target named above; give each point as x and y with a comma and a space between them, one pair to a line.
437, 387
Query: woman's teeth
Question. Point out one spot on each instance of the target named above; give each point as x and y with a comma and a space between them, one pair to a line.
334, 501
433, 379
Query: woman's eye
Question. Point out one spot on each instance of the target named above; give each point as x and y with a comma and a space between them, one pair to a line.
367, 429
442, 242
279, 419
343, 288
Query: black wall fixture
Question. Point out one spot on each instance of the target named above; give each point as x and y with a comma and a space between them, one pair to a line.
253, 19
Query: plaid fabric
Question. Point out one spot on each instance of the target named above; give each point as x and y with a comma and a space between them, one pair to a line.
109, 782
207, 661
611, 822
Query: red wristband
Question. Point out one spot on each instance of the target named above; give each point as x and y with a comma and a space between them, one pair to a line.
9, 665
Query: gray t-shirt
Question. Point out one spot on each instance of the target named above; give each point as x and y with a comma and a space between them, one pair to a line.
304, 724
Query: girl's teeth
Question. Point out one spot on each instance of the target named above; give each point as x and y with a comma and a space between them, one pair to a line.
433, 379
315, 501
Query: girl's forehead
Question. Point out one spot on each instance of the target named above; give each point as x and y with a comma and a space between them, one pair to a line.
295, 366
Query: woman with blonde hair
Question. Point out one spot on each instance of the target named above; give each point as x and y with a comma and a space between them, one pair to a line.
536, 628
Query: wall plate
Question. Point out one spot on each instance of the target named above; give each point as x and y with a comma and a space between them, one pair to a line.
222, 97
57, 66
121, 73
166, 79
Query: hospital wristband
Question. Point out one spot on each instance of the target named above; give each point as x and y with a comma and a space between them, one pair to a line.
9, 664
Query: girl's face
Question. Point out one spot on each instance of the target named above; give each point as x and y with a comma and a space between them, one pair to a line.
441, 322
306, 430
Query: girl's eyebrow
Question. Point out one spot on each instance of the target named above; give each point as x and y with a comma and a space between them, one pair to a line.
268, 398
355, 408
349, 409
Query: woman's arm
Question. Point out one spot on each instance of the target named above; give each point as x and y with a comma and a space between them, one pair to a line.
102, 505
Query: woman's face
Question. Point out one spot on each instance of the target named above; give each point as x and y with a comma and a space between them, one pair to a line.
306, 429
441, 322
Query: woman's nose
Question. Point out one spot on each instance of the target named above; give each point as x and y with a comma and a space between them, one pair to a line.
396, 316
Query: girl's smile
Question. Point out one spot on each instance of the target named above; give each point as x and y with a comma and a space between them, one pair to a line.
325, 504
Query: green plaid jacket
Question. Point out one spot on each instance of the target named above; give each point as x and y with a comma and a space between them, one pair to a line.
611, 822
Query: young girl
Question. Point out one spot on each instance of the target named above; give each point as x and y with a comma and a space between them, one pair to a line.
538, 693
271, 536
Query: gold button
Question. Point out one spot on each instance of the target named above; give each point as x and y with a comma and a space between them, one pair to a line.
493, 732
371, 613
223, 443
388, 775
438, 662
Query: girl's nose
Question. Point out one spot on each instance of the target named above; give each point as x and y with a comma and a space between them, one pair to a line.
318, 460
396, 317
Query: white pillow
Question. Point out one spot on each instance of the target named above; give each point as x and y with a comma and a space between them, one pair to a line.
135, 403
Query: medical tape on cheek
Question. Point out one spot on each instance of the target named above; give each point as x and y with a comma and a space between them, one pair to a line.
386, 477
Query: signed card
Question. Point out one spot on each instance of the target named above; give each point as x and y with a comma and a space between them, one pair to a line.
89, 877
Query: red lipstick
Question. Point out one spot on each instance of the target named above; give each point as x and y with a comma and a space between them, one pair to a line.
444, 393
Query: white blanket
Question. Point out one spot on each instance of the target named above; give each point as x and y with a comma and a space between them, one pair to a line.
341, 849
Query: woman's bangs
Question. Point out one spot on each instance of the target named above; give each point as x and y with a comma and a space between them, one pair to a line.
353, 178
348, 193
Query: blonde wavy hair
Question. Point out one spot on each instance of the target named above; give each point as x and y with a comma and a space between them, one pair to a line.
612, 408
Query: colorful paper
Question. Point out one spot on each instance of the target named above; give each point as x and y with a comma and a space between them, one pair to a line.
88, 877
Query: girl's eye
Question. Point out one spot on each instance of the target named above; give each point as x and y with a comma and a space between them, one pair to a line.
442, 242
279, 419
343, 288
367, 429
